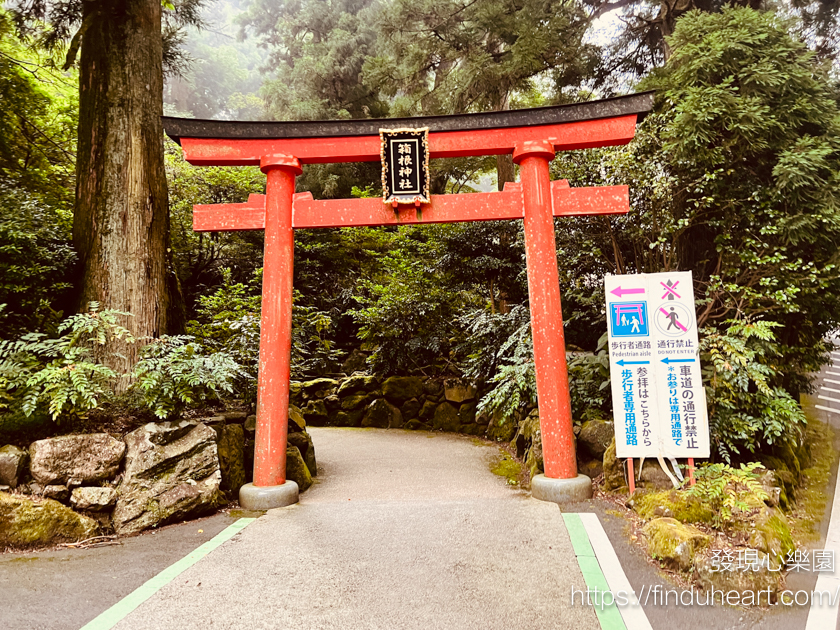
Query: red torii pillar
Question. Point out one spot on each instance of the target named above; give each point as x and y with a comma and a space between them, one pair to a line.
280, 148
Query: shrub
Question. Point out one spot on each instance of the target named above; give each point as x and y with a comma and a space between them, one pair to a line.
174, 372
748, 407
65, 374
728, 491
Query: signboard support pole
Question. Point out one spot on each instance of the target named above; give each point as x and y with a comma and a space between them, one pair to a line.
691, 470
631, 476
271, 488
547, 329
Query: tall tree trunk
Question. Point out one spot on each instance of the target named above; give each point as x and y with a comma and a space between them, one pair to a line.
121, 219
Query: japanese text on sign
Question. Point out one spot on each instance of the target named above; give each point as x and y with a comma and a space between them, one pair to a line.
405, 165
659, 404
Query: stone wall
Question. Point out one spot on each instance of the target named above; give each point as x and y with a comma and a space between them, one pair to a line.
408, 402
70, 487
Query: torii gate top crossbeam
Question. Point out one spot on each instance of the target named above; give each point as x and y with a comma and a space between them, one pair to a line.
608, 122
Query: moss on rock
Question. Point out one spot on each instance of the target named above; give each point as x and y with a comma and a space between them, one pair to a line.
770, 533
674, 543
501, 428
399, 389
679, 505
296, 469
446, 418
26, 522
613, 469
507, 467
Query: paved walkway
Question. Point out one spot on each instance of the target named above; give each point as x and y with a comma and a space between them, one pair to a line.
404, 530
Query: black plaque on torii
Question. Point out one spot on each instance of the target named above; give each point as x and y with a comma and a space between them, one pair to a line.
405, 165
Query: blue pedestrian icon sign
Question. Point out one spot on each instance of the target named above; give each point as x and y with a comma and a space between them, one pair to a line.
628, 319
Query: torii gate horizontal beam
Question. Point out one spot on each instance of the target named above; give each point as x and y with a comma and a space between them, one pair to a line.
608, 122
311, 213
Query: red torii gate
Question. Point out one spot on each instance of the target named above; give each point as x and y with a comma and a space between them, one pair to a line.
532, 136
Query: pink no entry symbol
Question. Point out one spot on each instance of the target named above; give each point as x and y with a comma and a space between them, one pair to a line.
673, 317
670, 289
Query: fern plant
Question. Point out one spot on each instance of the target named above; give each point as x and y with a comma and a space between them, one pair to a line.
67, 373
748, 408
727, 490
173, 372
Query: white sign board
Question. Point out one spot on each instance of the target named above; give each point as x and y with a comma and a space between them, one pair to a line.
659, 404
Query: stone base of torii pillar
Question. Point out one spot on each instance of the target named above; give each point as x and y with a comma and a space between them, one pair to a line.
561, 490
253, 497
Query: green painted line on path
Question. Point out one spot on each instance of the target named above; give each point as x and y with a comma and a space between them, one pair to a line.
130, 602
608, 616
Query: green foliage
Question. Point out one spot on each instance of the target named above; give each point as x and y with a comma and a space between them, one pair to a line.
38, 116
316, 54
65, 374
36, 261
38, 119
748, 408
589, 383
174, 372
228, 322
728, 491
222, 79
513, 382
448, 56
752, 137
200, 257
409, 310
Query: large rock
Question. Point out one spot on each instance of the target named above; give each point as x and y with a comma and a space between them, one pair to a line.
399, 389
446, 418
303, 442
296, 393
674, 543
296, 420
466, 412
595, 436
354, 401
171, 473
411, 409
458, 391
234, 417
770, 533
382, 414
296, 469
12, 465
29, 522
428, 409
750, 581
75, 460
652, 475
356, 362
355, 384
319, 388
433, 388
501, 428
231, 450
95, 499
315, 413
348, 418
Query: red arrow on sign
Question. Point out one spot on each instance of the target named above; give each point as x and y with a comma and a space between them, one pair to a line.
619, 291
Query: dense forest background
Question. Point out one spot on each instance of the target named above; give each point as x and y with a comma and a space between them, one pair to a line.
734, 176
